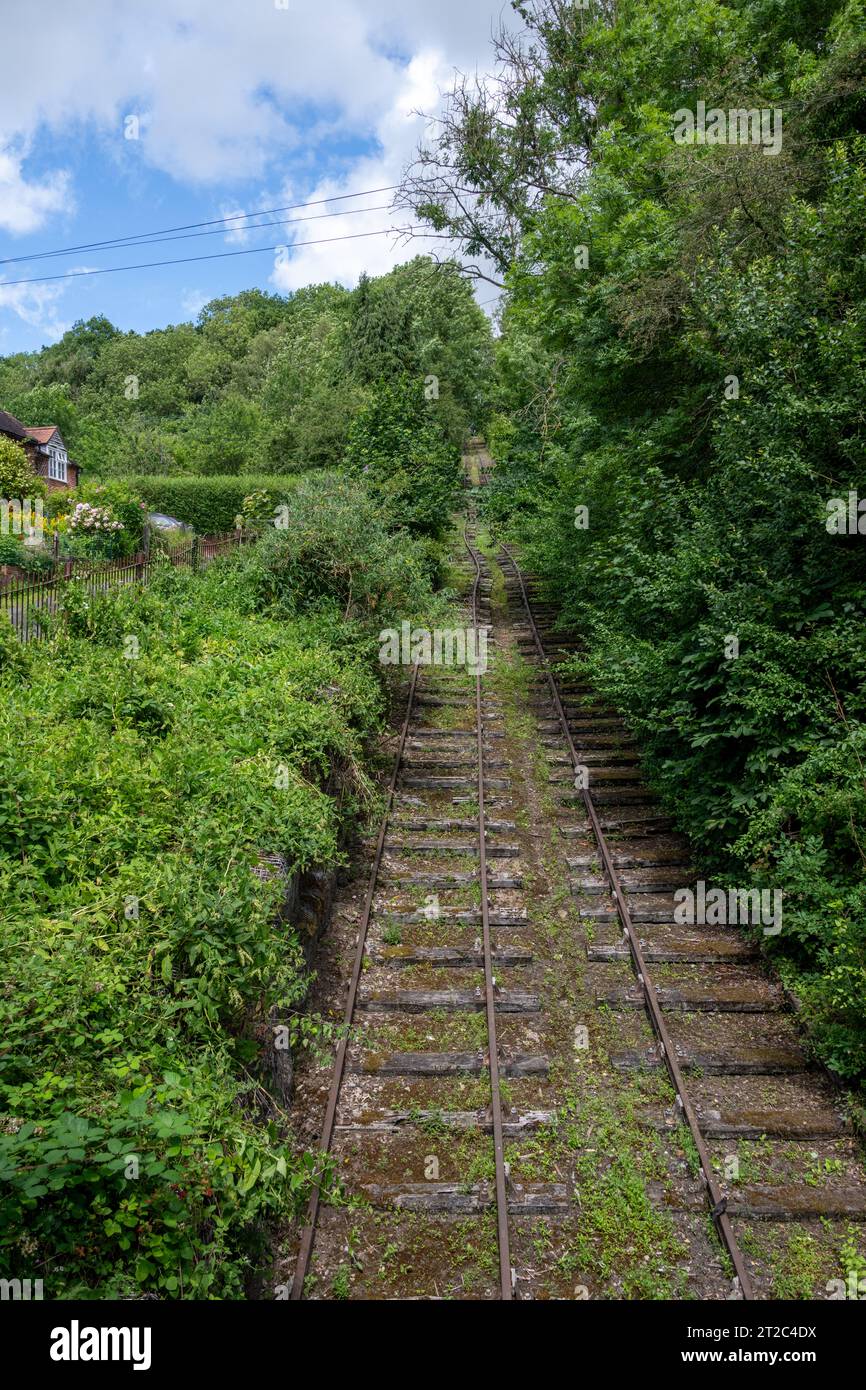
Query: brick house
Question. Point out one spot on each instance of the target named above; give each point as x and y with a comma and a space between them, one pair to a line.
44, 447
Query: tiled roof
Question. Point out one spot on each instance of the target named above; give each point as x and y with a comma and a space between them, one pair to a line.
41, 433
9, 425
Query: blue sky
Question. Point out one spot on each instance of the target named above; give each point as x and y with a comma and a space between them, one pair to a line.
128, 118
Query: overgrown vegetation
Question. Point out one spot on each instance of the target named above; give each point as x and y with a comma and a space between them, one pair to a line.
153, 749
682, 355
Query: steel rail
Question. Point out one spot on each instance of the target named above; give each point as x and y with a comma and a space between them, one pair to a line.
666, 1045
506, 1284
309, 1232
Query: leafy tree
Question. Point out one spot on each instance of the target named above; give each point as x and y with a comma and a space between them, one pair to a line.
381, 342
396, 446
17, 479
260, 380
46, 405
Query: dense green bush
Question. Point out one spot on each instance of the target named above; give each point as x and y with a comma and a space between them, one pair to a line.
150, 751
13, 551
126, 503
17, 479
337, 550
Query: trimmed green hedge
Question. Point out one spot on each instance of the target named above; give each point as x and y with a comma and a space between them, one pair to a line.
209, 504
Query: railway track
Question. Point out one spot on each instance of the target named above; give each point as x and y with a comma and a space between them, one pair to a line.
435, 761
548, 1088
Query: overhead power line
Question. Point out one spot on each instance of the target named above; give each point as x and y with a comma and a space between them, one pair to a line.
140, 238
214, 231
223, 255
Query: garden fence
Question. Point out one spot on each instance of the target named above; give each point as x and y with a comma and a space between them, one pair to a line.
23, 601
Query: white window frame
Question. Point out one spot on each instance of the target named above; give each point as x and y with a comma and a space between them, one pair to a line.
57, 464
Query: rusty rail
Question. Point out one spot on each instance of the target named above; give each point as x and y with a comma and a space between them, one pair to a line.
666, 1046
505, 1274
309, 1232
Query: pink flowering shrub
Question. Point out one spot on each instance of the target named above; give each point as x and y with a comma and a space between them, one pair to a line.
90, 521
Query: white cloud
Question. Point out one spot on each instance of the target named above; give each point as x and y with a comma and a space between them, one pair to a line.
231, 90
220, 86
397, 132
26, 203
35, 305
237, 232
193, 301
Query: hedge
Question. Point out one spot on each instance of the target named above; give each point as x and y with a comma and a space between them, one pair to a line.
210, 504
